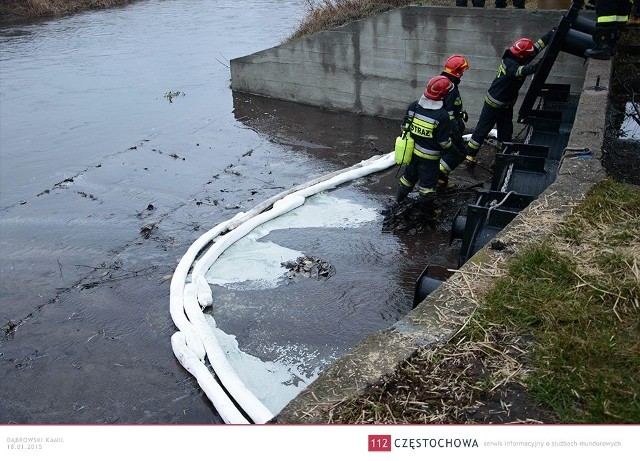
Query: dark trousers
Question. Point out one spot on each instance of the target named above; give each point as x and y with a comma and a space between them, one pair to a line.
452, 159
516, 3
422, 171
502, 118
606, 8
476, 3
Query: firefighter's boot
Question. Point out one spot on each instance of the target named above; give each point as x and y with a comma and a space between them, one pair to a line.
470, 162
427, 205
402, 192
604, 39
443, 181
473, 148
443, 177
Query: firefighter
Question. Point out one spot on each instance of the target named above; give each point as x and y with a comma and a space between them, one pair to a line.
429, 124
498, 104
612, 18
475, 3
454, 68
516, 4
499, 3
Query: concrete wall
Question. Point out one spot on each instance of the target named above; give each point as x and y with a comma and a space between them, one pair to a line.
377, 66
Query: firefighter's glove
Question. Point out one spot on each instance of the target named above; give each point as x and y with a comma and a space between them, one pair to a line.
531, 69
544, 40
464, 116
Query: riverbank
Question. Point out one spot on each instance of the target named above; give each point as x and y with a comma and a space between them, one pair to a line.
320, 15
13, 10
554, 341
327, 14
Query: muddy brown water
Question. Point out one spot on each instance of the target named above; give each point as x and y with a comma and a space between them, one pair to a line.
120, 145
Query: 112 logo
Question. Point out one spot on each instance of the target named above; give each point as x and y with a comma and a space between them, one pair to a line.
379, 443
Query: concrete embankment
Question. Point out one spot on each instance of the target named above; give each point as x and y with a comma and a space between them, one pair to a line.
376, 66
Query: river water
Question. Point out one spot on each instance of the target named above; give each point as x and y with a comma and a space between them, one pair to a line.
120, 144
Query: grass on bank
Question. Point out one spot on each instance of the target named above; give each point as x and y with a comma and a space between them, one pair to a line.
328, 14
578, 296
556, 340
44, 8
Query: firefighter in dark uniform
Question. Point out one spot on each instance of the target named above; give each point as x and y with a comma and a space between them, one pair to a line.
430, 129
476, 3
612, 19
502, 94
516, 4
454, 68
499, 3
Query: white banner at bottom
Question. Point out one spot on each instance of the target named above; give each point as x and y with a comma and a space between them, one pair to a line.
319, 442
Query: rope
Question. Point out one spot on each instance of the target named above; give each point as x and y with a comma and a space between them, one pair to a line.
493, 207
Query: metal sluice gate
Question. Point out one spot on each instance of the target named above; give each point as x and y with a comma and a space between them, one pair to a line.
522, 171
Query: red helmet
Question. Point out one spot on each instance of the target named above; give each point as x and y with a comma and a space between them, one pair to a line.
523, 48
438, 88
456, 65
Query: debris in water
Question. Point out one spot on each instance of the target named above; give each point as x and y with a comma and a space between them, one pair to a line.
170, 95
147, 230
311, 267
408, 217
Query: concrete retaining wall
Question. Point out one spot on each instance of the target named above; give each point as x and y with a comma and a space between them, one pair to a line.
377, 66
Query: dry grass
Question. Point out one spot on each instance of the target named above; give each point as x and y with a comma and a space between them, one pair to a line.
327, 14
42, 8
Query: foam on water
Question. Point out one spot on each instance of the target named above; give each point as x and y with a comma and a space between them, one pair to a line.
274, 383
253, 264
